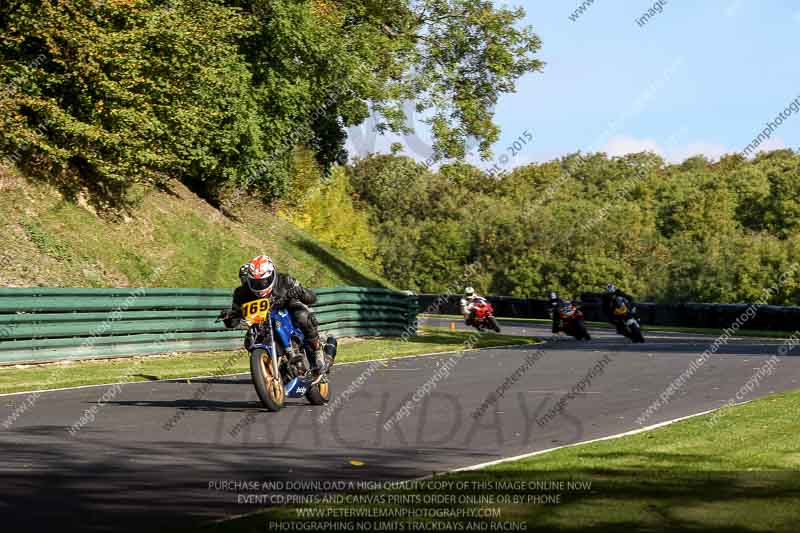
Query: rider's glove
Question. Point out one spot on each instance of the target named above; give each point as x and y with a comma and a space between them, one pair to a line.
230, 319
223, 315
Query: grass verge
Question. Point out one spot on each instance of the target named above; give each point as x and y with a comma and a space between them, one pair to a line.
75, 373
739, 474
645, 327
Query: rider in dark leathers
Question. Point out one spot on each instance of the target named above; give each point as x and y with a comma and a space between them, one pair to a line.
555, 303
286, 292
609, 298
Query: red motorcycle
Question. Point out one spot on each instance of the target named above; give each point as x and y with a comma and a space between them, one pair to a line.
572, 321
484, 319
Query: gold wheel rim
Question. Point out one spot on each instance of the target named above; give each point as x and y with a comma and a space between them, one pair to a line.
273, 385
323, 390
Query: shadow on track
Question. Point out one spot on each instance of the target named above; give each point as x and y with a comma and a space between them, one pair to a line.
48, 479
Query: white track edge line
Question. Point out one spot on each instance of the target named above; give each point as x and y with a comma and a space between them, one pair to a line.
590, 441
523, 456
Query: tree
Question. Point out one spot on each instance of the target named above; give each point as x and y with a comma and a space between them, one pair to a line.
128, 92
694, 231
222, 92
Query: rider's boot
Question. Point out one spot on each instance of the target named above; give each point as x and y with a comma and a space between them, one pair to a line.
318, 359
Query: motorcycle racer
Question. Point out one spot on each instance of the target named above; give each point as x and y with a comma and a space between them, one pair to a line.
259, 280
609, 303
467, 305
568, 317
555, 303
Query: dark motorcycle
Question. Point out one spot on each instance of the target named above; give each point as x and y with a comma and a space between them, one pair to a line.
572, 321
628, 322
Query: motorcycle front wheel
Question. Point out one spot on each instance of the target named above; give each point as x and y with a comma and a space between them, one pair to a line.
636, 333
492, 323
269, 387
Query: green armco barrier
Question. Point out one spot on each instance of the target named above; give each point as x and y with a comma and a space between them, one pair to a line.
44, 324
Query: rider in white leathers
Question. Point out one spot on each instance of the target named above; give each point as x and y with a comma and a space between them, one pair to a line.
467, 304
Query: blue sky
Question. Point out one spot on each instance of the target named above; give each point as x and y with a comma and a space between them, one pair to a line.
699, 77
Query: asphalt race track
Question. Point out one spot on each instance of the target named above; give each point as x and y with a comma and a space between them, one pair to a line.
126, 471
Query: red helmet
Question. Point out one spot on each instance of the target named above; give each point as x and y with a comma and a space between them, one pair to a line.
261, 275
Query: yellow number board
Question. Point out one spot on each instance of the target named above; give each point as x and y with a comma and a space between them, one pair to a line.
256, 311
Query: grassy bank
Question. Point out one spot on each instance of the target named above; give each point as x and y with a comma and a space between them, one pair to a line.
73, 374
172, 232
740, 474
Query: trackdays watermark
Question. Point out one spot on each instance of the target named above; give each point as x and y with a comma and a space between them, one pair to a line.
440, 374
350, 390
427, 427
498, 393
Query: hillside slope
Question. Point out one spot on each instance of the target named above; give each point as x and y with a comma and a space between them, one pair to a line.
169, 238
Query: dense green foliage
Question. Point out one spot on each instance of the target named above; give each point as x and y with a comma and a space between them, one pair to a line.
327, 212
718, 232
98, 94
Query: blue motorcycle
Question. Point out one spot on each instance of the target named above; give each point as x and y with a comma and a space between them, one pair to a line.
279, 357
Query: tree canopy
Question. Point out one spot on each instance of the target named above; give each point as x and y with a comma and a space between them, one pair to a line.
101, 93
694, 231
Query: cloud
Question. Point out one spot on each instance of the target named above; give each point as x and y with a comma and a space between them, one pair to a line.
625, 144
712, 151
